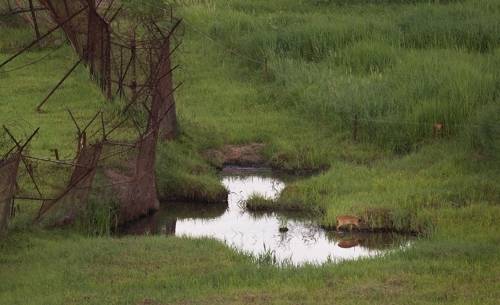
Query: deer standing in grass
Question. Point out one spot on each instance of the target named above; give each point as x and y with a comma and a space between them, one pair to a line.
437, 130
350, 221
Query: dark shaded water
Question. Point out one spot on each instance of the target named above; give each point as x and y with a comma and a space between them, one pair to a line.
259, 234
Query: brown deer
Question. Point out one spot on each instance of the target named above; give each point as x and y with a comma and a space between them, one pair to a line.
437, 129
351, 221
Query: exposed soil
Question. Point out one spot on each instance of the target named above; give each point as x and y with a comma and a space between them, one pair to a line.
238, 155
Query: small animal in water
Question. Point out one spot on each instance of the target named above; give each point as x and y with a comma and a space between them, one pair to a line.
348, 243
350, 221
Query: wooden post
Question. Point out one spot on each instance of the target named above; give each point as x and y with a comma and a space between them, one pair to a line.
56, 154
355, 128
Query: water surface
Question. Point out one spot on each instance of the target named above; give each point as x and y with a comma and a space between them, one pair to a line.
259, 234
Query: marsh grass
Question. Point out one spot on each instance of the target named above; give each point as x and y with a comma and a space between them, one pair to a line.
399, 70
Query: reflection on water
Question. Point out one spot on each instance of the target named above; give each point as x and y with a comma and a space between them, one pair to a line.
304, 242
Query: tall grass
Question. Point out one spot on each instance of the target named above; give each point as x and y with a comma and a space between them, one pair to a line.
311, 37
457, 26
397, 71
396, 109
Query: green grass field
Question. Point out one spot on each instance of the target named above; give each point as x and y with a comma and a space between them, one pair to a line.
296, 76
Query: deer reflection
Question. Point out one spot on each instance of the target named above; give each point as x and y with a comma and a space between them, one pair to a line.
371, 241
349, 243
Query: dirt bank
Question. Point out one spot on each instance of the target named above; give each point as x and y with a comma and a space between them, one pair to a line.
237, 155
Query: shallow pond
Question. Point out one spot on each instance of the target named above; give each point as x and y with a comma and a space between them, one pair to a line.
259, 234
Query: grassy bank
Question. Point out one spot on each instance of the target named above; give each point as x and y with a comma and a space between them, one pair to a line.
405, 193
399, 67
458, 266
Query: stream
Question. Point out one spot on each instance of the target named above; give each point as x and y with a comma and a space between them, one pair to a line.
259, 233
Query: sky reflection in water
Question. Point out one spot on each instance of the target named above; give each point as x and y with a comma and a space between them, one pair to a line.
257, 234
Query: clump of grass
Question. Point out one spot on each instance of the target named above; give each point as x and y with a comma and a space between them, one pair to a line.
267, 258
100, 218
257, 202
100, 215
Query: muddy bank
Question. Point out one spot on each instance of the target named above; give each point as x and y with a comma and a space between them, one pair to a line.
252, 156
248, 155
